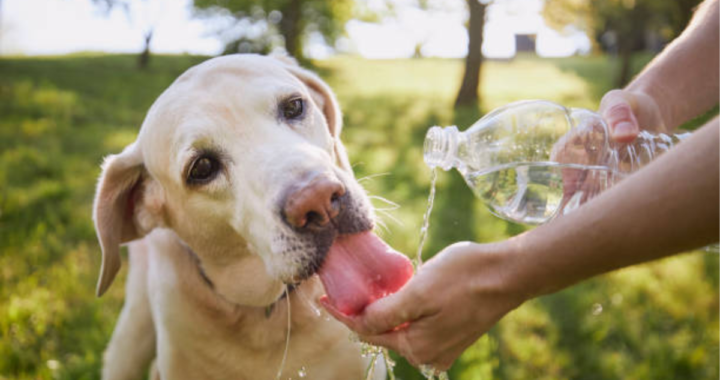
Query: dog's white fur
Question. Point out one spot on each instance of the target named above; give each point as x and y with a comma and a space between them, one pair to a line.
208, 262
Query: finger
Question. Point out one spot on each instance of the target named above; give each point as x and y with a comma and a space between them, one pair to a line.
616, 108
391, 312
347, 320
356, 323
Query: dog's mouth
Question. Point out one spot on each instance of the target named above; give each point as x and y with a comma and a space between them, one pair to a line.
361, 268
355, 266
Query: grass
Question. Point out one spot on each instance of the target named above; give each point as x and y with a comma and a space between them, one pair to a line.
59, 116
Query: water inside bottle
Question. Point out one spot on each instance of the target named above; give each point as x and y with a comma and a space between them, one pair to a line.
533, 193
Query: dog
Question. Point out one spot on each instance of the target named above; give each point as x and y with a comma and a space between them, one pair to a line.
233, 196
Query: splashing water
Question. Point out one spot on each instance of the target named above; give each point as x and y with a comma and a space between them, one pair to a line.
287, 339
428, 371
315, 309
375, 352
426, 220
431, 373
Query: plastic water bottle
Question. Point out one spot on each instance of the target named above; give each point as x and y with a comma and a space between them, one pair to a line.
531, 161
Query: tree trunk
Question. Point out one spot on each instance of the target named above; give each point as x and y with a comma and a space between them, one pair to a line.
468, 93
290, 27
144, 58
625, 71
631, 38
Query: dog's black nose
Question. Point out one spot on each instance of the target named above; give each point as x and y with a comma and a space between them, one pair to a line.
315, 203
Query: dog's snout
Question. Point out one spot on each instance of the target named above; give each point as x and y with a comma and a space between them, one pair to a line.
314, 204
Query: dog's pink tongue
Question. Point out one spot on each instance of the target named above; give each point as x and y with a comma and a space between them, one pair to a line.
360, 269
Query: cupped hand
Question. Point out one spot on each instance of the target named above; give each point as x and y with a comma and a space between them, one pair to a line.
451, 302
628, 112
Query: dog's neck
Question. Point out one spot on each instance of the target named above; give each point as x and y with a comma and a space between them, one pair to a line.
234, 295
198, 265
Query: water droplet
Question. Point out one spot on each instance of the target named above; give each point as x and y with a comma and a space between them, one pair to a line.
431, 373
597, 309
302, 372
353, 336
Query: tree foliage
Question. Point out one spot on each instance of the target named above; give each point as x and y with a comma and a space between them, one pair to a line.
666, 17
621, 25
293, 20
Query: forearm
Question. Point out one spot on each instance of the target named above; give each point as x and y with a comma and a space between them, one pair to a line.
683, 79
667, 207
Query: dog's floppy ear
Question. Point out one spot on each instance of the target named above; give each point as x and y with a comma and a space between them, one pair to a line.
325, 99
118, 193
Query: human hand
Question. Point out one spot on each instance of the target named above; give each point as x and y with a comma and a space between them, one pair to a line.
452, 300
627, 112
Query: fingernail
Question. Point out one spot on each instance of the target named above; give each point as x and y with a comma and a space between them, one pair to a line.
624, 128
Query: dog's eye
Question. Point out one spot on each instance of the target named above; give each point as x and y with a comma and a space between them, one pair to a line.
203, 170
293, 108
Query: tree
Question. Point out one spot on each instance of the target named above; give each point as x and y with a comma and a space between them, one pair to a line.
627, 21
468, 94
293, 20
148, 27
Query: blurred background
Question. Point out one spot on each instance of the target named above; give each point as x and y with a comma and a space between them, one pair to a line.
77, 77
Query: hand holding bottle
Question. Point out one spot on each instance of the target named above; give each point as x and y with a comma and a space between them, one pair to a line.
625, 113
628, 112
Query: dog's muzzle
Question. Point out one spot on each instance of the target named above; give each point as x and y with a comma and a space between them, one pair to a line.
317, 210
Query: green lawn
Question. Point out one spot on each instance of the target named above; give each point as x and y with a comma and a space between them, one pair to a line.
60, 116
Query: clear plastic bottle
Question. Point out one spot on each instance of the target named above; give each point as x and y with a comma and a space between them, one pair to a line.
531, 161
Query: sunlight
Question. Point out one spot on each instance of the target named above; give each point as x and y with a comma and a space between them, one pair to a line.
409, 31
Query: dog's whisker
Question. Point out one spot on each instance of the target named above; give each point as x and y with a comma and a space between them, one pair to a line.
372, 176
384, 200
382, 227
387, 208
390, 216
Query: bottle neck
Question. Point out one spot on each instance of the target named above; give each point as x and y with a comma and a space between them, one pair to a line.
440, 148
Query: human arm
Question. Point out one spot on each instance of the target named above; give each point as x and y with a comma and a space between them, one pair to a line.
679, 84
667, 207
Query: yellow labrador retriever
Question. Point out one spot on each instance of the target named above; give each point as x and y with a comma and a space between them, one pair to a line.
235, 194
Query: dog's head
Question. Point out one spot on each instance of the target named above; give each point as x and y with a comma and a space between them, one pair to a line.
241, 157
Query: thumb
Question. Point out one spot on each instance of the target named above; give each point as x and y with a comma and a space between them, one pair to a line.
617, 109
393, 311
